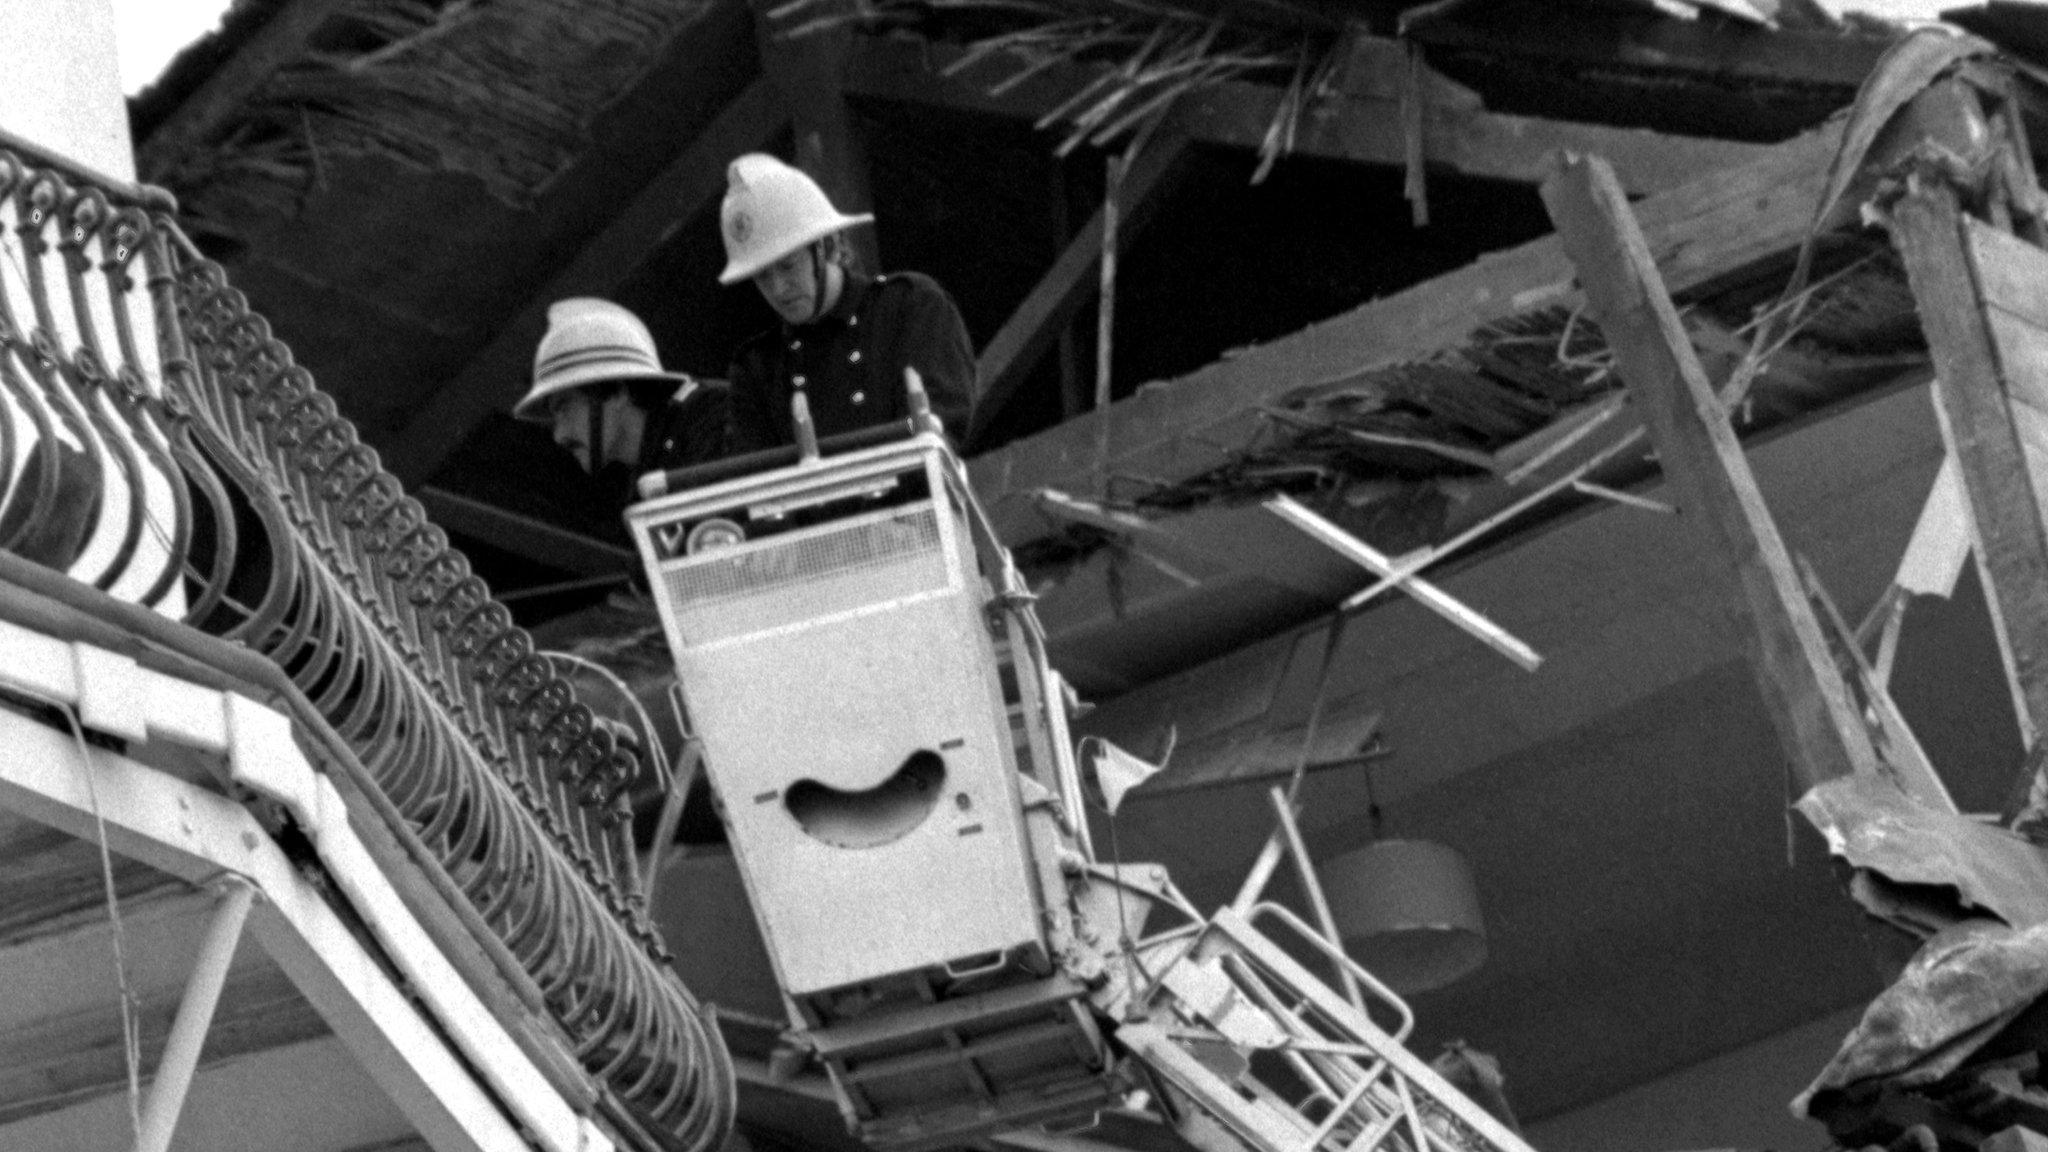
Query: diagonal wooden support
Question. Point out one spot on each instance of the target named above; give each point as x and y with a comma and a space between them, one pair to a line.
1802, 688
1015, 350
1978, 290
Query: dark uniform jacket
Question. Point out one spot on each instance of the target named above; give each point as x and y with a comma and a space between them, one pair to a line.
694, 427
849, 363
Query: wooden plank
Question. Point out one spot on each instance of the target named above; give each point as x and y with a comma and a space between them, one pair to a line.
1934, 239
1803, 690
809, 72
1710, 50
2023, 352
1037, 323
499, 374
228, 89
2010, 273
1721, 223
525, 536
1363, 125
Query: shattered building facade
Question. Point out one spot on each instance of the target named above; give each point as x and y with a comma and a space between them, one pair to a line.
1520, 421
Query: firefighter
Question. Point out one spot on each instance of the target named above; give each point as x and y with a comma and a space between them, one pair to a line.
845, 337
598, 382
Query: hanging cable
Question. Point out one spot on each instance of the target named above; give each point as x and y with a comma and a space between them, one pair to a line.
131, 1028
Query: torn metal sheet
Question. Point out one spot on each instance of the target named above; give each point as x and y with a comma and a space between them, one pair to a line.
1870, 823
1955, 996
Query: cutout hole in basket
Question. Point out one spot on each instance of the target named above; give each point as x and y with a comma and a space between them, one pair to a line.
875, 816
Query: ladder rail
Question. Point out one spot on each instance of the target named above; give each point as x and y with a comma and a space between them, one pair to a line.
1245, 991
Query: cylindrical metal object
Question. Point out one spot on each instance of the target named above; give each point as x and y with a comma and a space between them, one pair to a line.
1408, 911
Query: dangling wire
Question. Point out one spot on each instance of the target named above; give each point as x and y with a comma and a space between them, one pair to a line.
1331, 641
131, 1028
1373, 816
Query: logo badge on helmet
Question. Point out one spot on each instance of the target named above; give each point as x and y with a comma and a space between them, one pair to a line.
740, 227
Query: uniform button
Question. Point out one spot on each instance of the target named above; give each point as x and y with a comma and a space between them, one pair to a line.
860, 397
853, 357
667, 445
853, 322
796, 345
797, 380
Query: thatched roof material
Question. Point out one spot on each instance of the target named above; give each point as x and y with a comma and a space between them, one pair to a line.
502, 90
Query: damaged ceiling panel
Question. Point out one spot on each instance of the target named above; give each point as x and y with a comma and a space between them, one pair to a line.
502, 91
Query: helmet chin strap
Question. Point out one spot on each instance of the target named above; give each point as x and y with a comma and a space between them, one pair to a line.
596, 441
817, 282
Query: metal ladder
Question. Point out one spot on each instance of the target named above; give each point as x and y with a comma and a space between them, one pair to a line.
1252, 1050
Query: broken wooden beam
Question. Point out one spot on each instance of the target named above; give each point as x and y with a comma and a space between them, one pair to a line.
1471, 621
1177, 429
499, 373
1980, 309
1362, 124
524, 536
1802, 689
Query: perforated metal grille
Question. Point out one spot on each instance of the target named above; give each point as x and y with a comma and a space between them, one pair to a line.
812, 575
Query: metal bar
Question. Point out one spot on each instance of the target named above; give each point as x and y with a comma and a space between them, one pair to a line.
1408, 568
1261, 873
1309, 884
1436, 599
1408, 1067
195, 1016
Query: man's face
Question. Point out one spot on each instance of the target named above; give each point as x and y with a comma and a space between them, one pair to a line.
790, 285
569, 417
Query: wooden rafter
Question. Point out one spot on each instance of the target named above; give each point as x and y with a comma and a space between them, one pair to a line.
1363, 125
524, 536
1989, 335
497, 375
1659, 45
1721, 223
1802, 690
1037, 323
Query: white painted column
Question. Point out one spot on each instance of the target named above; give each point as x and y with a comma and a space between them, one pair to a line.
63, 84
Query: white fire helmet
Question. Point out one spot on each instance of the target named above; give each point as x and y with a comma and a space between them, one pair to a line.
771, 210
589, 341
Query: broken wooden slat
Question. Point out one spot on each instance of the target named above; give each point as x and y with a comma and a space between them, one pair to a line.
525, 536
1362, 125
1719, 224
1910, 766
1435, 599
1953, 264
1410, 566
1802, 690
